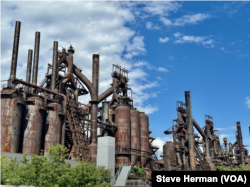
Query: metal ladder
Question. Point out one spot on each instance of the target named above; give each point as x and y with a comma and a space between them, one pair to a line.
78, 137
43, 81
202, 160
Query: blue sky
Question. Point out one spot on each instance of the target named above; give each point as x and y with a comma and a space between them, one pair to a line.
168, 48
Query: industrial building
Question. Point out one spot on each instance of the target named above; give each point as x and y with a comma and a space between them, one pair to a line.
34, 116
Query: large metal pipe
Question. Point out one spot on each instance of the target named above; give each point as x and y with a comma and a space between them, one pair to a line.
105, 116
53, 135
242, 152
208, 157
11, 114
36, 58
196, 125
50, 91
135, 132
122, 120
54, 65
29, 64
87, 82
94, 103
144, 128
101, 97
15, 51
33, 132
190, 131
169, 156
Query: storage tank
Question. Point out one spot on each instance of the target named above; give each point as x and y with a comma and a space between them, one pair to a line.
33, 132
11, 113
53, 135
169, 156
135, 133
144, 128
122, 120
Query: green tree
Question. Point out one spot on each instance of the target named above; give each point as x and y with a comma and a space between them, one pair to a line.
52, 171
3, 159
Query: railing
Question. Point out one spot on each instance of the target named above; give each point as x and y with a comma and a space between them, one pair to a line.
128, 150
138, 182
117, 173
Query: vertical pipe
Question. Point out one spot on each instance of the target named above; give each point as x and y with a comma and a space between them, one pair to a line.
94, 103
15, 51
54, 66
190, 131
36, 58
249, 131
241, 143
29, 64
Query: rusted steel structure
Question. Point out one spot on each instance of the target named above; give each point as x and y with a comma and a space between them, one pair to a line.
34, 116
123, 138
53, 126
135, 132
144, 129
213, 154
33, 132
11, 116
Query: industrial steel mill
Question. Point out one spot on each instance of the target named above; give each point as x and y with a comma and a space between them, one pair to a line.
34, 116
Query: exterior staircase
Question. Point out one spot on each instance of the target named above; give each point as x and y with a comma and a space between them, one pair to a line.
123, 176
205, 166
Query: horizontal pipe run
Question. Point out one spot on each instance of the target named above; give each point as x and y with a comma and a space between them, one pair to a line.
45, 89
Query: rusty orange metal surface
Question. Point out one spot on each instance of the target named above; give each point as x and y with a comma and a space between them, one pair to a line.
53, 135
169, 156
33, 131
144, 137
135, 132
122, 120
11, 114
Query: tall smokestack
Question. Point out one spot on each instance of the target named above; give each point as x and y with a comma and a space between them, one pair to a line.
29, 64
36, 58
94, 103
240, 143
15, 52
190, 131
54, 66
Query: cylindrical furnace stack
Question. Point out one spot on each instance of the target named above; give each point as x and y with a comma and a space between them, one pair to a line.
135, 133
122, 120
53, 135
144, 139
33, 132
11, 114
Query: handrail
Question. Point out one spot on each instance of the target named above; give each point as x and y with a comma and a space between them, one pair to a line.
118, 172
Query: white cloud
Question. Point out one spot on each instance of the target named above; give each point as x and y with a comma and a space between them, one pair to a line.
247, 102
186, 19
193, 39
223, 129
141, 63
231, 43
159, 78
162, 69
222, 48
136, 47
160, 141
191, 19
166, 21
151, 26
163, 40
91, 27
171, 58
224, 136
